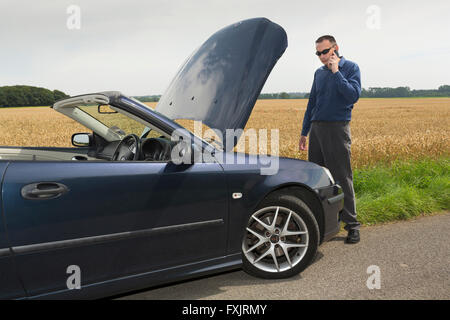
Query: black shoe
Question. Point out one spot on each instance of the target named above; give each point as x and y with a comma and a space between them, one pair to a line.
352, 236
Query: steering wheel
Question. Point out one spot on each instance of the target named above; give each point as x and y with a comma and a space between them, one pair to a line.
127, 149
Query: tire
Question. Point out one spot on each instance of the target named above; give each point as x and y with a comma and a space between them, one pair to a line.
263, 240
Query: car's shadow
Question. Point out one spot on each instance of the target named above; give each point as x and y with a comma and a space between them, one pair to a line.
206, 287
338, 239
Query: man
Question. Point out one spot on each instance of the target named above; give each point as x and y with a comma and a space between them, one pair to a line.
336, 87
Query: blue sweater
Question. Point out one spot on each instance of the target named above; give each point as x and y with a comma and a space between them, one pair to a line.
333, 95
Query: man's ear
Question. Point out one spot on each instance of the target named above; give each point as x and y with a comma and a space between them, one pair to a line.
337, 48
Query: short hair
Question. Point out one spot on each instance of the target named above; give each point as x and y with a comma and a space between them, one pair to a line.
326, 37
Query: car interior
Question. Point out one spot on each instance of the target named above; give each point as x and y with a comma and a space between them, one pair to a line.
105, 142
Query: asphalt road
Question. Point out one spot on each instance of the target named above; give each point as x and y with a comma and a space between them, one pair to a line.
413, 259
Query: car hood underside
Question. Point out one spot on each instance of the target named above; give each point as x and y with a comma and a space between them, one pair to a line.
220, 82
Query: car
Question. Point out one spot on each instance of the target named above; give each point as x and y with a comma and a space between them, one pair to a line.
139, 200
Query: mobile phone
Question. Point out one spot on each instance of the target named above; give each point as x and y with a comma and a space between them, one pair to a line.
336, 53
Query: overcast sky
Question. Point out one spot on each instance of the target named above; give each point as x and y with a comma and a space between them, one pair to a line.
137, 46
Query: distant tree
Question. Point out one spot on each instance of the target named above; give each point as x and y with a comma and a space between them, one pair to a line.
58, 95
154, 98
17, 96
400, 92
14, 97
3, 102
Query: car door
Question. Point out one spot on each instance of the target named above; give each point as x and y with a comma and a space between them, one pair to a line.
111, 219
10, 286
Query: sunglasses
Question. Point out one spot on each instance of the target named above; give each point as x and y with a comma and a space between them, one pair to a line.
319, 53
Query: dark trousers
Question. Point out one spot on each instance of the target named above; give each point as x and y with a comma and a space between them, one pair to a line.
329, 146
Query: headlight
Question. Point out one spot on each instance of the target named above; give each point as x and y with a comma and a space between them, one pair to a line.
329, 175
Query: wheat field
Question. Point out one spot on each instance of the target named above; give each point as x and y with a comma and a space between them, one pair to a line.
383, 130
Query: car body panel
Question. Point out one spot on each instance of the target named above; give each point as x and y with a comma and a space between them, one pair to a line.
112, 223
43, 153
148, 279
220, 82
10, 285
243, 176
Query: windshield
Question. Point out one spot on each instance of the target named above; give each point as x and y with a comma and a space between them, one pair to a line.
185, 124
117, 122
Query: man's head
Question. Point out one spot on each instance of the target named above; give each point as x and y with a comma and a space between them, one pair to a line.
324, 43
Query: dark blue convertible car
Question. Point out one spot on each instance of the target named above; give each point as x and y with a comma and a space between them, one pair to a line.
140, 201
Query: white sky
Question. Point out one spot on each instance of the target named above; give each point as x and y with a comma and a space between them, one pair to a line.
137, 46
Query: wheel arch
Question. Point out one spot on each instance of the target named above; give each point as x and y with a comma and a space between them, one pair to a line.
308, 196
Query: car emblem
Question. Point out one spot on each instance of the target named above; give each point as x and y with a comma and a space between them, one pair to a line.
237, 195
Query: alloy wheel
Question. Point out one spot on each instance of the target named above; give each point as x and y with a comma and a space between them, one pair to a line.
276, 239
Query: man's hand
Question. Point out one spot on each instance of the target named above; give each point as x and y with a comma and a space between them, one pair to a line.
302, 143
333, 63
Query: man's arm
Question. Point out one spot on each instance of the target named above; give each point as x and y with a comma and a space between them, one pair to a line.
307, 117
311, 103
349, 87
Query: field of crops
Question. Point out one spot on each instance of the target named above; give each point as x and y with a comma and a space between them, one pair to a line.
383, 130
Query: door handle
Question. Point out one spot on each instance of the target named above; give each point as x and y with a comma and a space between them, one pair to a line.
79, 158
43, 190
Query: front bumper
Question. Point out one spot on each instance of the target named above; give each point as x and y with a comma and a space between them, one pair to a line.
332, 199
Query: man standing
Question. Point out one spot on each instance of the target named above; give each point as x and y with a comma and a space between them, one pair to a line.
336, 87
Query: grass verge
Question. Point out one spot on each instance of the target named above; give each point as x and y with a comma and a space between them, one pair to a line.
403, 190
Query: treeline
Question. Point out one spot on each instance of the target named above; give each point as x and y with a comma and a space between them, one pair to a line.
154, 98
283, 95
405, 92
372, 92
375, 92
23, 96
280, 95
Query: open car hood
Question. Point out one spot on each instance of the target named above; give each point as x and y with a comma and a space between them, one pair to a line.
220, 82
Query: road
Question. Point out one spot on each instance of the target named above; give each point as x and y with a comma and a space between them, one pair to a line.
413, 259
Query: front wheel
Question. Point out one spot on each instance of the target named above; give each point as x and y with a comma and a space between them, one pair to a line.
281, 238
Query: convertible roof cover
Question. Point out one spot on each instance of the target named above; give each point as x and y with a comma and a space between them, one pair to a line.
220, 82
103, 97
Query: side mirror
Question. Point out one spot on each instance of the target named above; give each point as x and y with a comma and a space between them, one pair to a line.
81, 140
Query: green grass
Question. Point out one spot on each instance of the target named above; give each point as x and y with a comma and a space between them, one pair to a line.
401, 191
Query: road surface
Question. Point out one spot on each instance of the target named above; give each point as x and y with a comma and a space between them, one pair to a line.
413, 260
